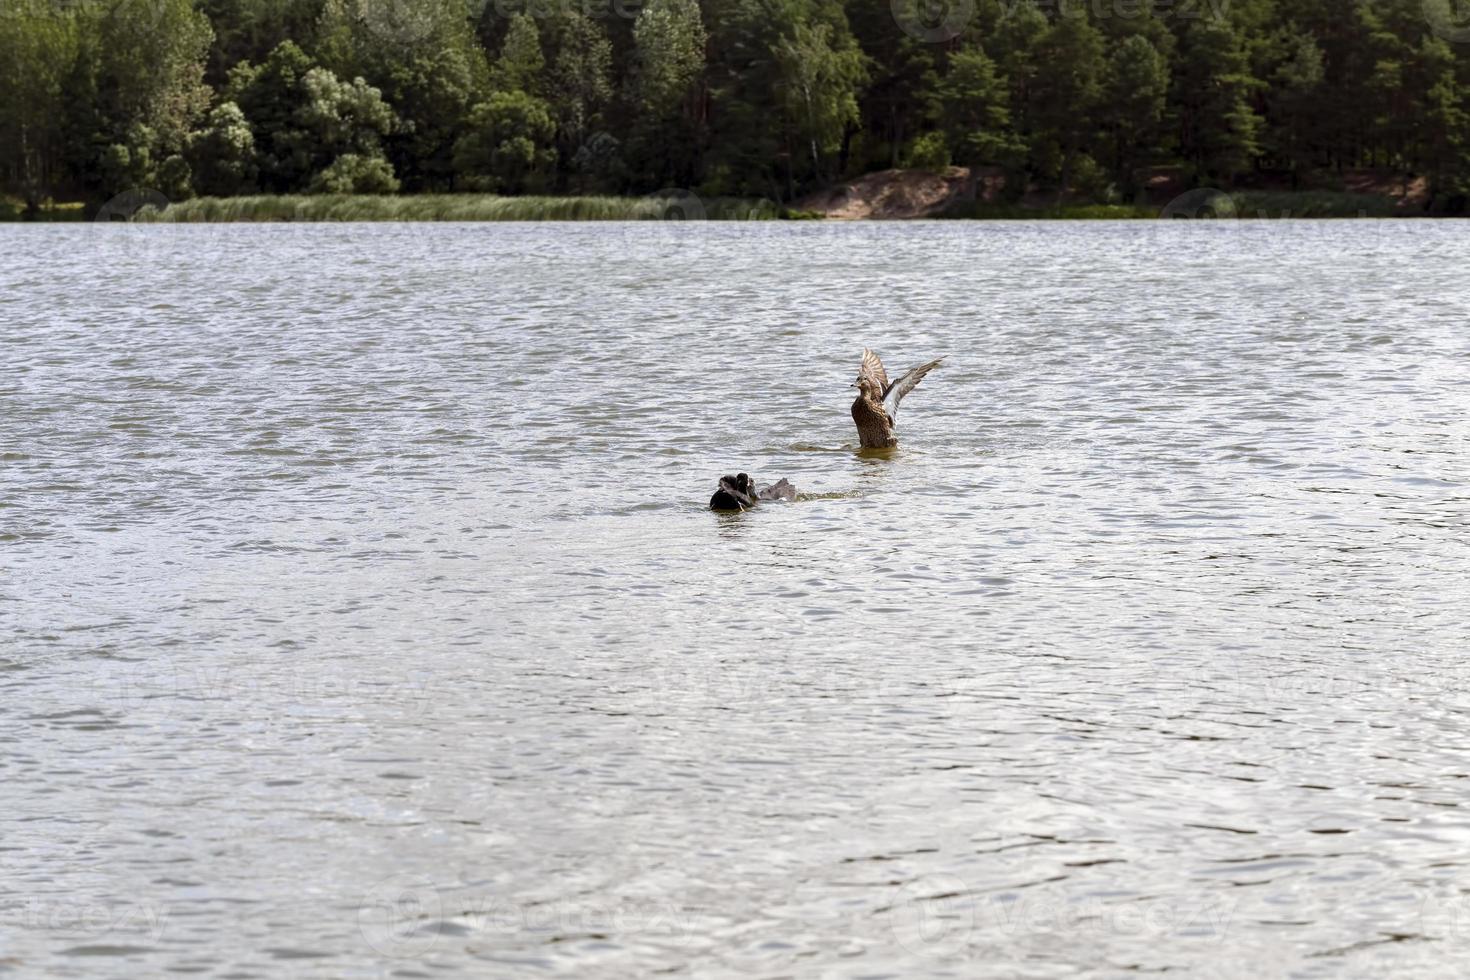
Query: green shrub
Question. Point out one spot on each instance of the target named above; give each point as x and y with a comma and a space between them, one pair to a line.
354, 174
928, 152
508, 143
222, 154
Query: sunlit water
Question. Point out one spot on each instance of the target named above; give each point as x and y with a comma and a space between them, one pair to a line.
362, 615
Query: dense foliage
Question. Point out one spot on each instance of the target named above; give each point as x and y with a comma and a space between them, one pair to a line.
763, 98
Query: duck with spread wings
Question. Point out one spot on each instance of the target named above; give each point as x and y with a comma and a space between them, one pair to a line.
876, 409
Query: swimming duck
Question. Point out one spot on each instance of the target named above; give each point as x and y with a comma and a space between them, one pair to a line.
876, 409
738, 492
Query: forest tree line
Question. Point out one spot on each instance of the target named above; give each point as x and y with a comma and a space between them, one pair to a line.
748, 98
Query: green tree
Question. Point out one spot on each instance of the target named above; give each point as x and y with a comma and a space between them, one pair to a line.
1135, 90
343, 117
664, 88
38, 51
1443, 133
903, 77
820, 76
352, 173
135, 94
270, 95
222, 154
730, 97
1020, 28
581, 80
247, 30
744, 146
1295, 102
1065, 96
424, 56
305, 117
1218, 127
669, 55
522, 63
975, 110
508, 144
599, 162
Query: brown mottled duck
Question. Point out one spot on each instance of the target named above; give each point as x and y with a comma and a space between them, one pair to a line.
876, 409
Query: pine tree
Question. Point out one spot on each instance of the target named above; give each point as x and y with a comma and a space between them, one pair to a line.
522, 64
663, 88
580, 86
1135, 88
975, 110
1065, 96
1218, 128
1295, 100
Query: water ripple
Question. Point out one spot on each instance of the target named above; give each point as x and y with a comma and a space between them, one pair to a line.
364, 615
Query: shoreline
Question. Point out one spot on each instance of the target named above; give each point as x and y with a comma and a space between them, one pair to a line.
1204, 203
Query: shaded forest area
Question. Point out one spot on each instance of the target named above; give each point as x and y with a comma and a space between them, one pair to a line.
728, 98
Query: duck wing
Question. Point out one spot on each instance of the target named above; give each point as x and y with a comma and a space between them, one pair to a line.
907, 382
780, 490
872, 368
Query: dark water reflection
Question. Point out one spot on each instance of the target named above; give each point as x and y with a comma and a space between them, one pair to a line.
363, 617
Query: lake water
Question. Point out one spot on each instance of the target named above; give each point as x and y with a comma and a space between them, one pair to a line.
362, 615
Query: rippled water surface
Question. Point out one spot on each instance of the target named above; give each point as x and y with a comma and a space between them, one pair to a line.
362, 616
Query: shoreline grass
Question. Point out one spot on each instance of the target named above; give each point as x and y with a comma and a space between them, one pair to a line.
979, 211
1242, 205
491, 207
460, 207
1318, 204
15, 210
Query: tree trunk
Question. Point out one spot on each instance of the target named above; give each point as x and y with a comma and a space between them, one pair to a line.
29, 179
790, 176
895, 136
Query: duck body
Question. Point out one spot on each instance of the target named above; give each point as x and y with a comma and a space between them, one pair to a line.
875, 428
875, 410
